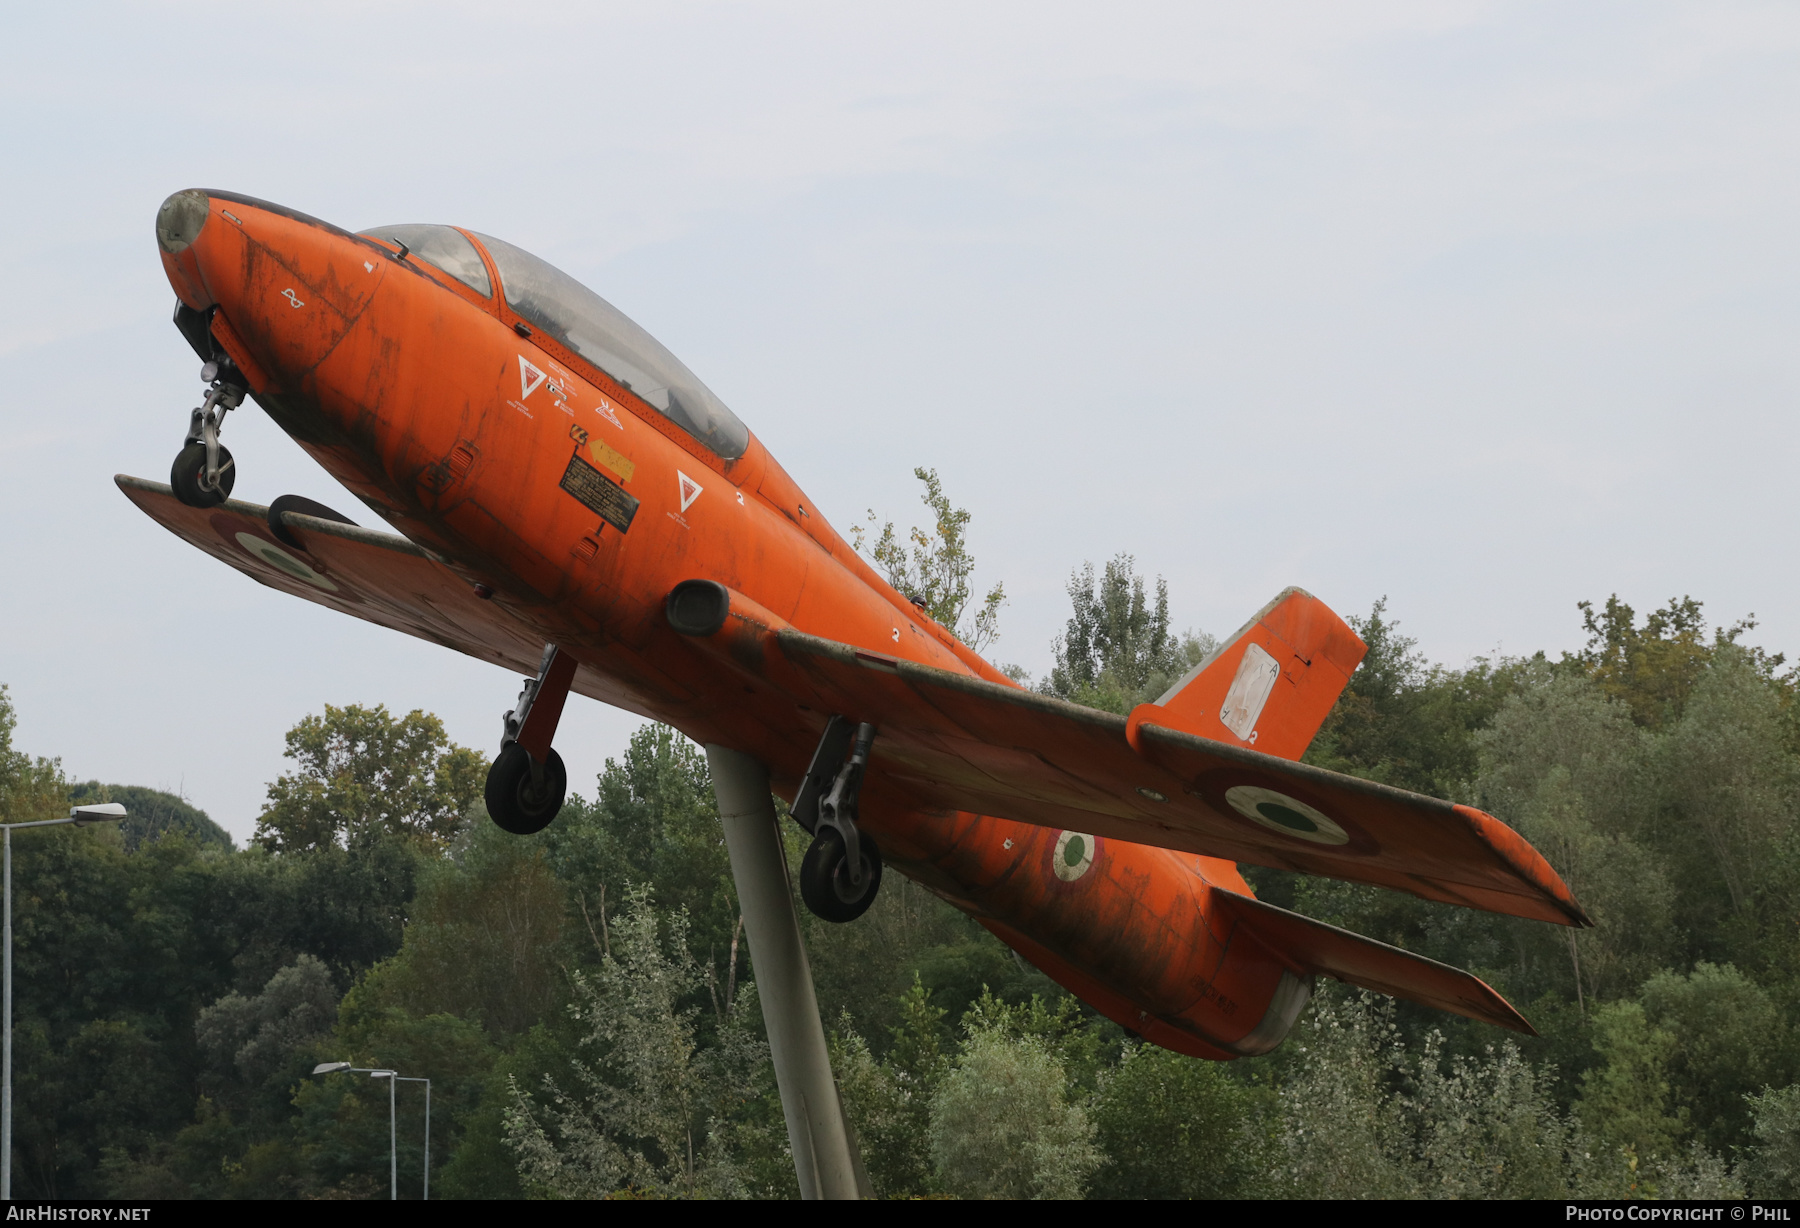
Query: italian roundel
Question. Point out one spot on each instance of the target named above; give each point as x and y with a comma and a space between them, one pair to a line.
1288, 815
1074, 855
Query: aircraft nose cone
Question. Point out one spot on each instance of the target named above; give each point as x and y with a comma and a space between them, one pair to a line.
179, 220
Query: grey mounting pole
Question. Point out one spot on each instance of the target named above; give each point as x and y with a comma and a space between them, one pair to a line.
6, 1075
825, 1156
393, 1145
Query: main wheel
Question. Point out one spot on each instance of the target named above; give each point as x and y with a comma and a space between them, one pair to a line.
514, 802
825, 877
190, 467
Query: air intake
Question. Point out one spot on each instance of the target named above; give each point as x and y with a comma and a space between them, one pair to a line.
698, 607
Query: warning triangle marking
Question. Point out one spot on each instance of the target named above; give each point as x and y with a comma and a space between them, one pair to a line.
530, 378
690, 490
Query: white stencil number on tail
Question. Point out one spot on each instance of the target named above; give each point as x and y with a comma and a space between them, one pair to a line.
1249, 691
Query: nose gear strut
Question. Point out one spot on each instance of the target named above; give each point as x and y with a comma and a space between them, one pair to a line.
527, 782
204, 473
841, 871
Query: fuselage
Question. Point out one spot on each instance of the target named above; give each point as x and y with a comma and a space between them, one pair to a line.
540, 466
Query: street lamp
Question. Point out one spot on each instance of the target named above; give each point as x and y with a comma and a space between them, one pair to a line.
427, 1129
81, 816
324, 1068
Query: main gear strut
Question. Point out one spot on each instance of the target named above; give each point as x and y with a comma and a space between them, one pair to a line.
527, 782
841, 871
204, 473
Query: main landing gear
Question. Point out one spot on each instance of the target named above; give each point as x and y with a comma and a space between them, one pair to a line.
841, 871
203, 473
527, 782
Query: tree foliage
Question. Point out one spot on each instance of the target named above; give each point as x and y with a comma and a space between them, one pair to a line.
153, 813
1002, 1121
1172, 1127
642, 1113
933, 567
364, 775
1118, 650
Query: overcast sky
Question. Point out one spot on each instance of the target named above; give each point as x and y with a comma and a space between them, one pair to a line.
1489, 308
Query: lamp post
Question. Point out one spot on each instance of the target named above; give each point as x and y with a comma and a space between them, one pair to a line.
81, 816
392, 1077
427, 1083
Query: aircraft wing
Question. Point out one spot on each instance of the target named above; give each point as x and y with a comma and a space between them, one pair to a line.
954, 742
378, 577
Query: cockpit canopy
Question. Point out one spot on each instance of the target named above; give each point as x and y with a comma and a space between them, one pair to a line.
442, 246
574, 315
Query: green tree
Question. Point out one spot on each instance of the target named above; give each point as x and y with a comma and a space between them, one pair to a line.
1772, 1169
1003, 1124
1342, 1129
1565, 765
653, 822
1178, 1127
890, 1120
937, 572
152, 814
250, 1042
1654, 668
338, 1147
1404, 721
1488, 1128
485, 937
365, 776
1731, 773
1731, 1040
648, 1096
1625, 1100
30, 788
1117, 650
1365, 1114
258, 911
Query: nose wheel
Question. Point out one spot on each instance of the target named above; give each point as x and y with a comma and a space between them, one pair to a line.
189, 476
204, 473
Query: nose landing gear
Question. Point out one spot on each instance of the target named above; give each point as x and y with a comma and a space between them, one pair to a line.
527, 782
204, 473
841, 871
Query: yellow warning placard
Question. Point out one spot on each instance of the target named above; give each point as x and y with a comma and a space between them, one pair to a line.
612, 459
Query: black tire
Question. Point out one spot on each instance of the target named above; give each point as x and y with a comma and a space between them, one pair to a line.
190, 467
306, 507
825, 877
513, 803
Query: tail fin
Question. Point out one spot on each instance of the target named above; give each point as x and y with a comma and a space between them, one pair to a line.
1272, 685
1325, 950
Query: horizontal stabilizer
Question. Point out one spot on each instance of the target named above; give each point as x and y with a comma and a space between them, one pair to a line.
1326, 950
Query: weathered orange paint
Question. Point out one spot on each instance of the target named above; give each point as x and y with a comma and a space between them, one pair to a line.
409, 388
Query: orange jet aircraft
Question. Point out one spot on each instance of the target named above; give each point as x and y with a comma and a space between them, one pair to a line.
574, 504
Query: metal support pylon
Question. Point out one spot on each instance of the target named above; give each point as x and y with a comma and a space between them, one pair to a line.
825, 1152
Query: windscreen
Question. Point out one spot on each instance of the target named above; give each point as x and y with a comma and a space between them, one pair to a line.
442, 247
605, 336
